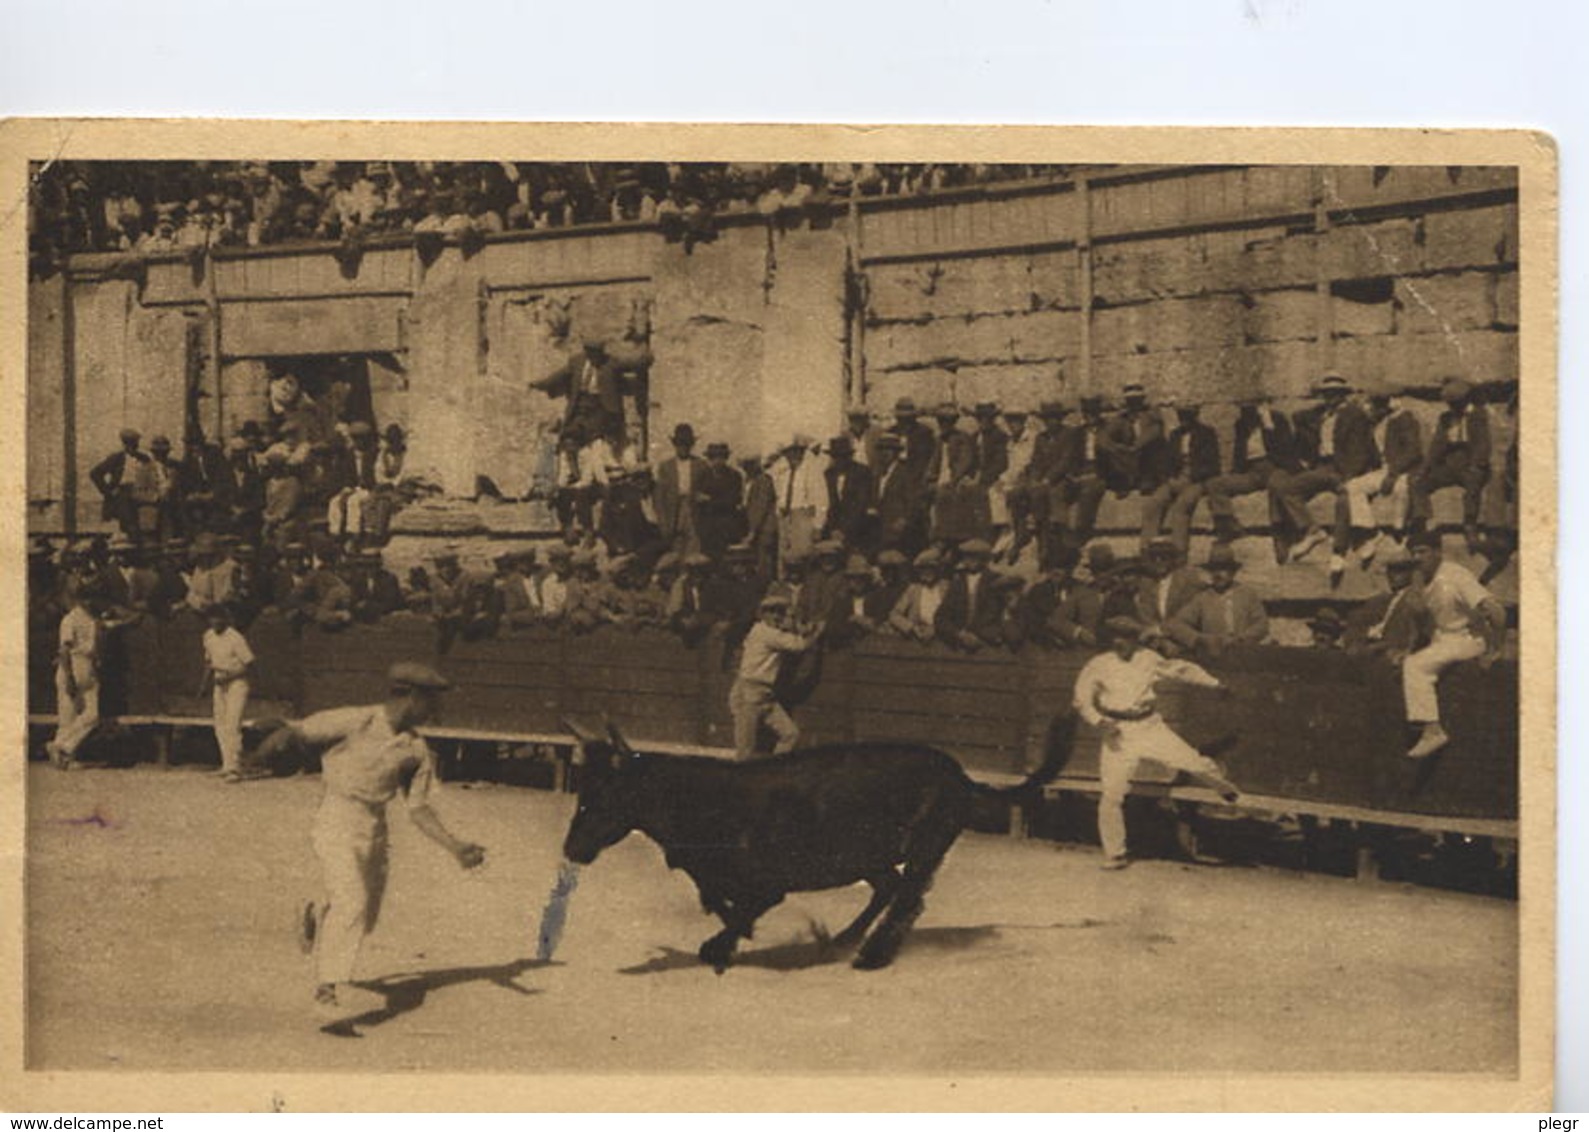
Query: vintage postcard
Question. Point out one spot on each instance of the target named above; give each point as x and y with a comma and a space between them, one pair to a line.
738, 617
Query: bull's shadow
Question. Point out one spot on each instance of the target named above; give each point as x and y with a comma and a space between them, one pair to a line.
802, 955
406, 992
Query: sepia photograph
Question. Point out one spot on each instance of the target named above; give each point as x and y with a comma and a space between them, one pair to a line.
908, 610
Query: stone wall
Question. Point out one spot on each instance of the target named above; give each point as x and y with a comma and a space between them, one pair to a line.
1200, 282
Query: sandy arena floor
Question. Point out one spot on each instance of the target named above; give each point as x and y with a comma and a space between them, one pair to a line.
161, 909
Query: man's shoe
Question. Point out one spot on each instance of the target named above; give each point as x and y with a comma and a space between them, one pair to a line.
1302, 549
1366, 552
1337, 570
1114, 864
1434, 738
308, 926
344, 1001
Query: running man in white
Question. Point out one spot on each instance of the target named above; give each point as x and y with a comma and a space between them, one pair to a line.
1115, 693
751, 699
1468, 624
227, 663
371, 753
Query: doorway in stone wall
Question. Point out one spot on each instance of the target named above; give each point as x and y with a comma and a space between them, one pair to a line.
345, 387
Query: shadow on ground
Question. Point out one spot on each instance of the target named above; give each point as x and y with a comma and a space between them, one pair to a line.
801, 955
406, 992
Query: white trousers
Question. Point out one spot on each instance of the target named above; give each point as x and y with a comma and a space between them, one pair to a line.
1369, 511
79, 714
229, 701
351, 844
345, 512
753, 707
1420, 672
1150, 738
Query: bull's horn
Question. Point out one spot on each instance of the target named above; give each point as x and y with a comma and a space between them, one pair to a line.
618, 741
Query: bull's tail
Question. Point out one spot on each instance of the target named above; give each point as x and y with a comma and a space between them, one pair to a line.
1058, 744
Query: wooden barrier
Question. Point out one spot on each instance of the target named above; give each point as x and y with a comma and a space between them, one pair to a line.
1319, 729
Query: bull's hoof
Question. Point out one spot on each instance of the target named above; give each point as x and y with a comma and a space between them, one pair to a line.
717, 953
871, 961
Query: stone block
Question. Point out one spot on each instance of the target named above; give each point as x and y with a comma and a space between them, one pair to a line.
1278, 190
1280, 316
1476, 237
1149, 269
1506, 296
1368, 251
1351, 319
1054, 281
897, 291
1015, 386
1263, 259
1437, 304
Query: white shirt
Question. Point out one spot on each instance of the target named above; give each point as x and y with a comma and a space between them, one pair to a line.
367, 761
554, 595
1020, 455
764, 645
227, 653
80, 641
1126, 687
1257, 448
1454, 596
1327, 429
799, 488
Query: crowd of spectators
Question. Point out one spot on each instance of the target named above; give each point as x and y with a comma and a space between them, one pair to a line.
176, 206
975, 537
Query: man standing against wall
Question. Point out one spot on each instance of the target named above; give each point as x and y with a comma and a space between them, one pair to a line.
678, 492
115, 478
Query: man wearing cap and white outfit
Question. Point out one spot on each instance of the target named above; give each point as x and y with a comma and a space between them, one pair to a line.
1115, 693
802, 497
1467, 624
751, 700
372, 753
227, 663
76, 678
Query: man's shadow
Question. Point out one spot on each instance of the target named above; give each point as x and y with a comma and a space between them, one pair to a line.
407, 992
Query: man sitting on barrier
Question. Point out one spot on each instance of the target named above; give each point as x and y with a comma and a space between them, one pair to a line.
1467, 624
1222, 615
1058, 610
915, 615
1392, 624
1115, 692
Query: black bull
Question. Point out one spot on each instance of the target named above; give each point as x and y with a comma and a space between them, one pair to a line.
748, 834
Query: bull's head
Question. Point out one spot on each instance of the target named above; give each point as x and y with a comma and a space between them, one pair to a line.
609, 794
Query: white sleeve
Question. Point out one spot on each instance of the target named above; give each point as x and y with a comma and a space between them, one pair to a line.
1187, 673
1087, 692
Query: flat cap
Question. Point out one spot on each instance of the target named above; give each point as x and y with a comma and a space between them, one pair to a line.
130, 434
976, 546
1454, 389
774, 601
413, 674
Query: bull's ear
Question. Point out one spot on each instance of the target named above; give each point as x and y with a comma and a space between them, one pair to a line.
619, 743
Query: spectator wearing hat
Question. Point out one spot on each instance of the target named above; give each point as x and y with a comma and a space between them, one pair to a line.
158, 492
513, 598
129, 588
627, 522
720, 513
850, 514
679, 494
991, 460
893, 576
951, 478
76, 677
1091, 468
1327, 627
918, 444
210, 583
319, 594
863, 433
761, 516
371, 754
1223, 614
1380, 499
1335, 444
200, 486
688, 612
1003, 491
1393, 624
899, 503
171, 570
915, 615
280, 521
751, 700
1263, 448
972, 614
460, 601
583, 594
1058, 610
240, 490
824, 587
1459, 456
374, 590
1038, 506
801, 494
853, 615
1466, 623
1190, 459
552, 585
593, 384
228, 663
1116, 692
1169, 585
1130, 444
354, 480
629, 598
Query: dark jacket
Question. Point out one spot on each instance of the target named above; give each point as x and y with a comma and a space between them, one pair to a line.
1355, 451
1129, 450
849, 502
982, 615
992, 451
670, 504
1200, 460
1403, 452
1443, 445
614, 377
1279, 439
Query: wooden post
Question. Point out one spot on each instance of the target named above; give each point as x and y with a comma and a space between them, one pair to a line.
855, 357
212, 303
68, 405
1084, 271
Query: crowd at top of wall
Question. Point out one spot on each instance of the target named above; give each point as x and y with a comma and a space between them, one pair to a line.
177, 206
